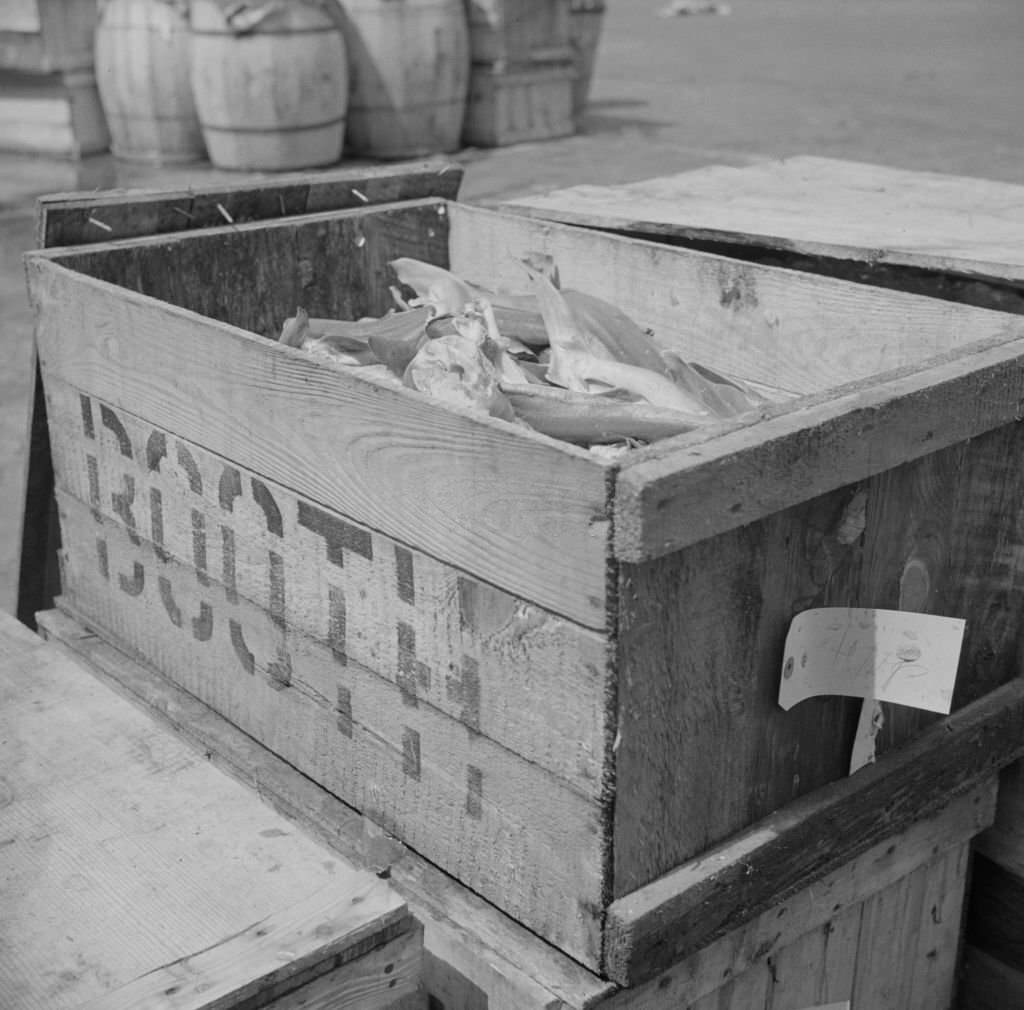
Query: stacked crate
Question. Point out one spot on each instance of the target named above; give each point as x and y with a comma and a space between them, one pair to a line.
551, 675
523, 72
49, 103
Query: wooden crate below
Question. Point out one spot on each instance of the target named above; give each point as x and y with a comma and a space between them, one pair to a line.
137, 874
516, 104
882, 930
53, 114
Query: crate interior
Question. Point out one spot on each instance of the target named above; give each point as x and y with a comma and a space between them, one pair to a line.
792, 332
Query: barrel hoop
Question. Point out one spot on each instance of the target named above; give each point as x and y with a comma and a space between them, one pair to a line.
325, 124
257, 33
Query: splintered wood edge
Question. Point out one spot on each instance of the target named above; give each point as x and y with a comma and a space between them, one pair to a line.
690, 907
539, 976
131, 211
695, 486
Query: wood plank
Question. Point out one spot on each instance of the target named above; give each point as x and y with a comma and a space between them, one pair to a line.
704, 748
830, 907
759, 322
487, 952
501, 824
988, 984
860, 211
521, 676
104, 877
695, 904
690, 488
448, 482
939, 931
246, 969
63, 218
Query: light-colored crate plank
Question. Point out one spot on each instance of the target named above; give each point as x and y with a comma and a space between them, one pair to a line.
819, 207
126, 851
496, 821
406, 465
757, 322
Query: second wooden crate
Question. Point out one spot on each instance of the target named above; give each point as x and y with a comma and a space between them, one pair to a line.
552, 674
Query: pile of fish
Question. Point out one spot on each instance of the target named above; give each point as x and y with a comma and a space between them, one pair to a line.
565, 363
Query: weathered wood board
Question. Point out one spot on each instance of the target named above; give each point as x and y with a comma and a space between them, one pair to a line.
636, 610
885, 924
817, 209
137, 874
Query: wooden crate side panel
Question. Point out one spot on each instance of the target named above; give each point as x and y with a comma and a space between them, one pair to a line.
825, 916
533, 682
64, 218
502, 825
760, 323
703, 629
489, 959
516, 510
334, 264
518, 31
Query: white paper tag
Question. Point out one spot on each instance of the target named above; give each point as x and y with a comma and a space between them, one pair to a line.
888, 655
872, 719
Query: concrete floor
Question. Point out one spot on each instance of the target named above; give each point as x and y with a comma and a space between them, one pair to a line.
926, 84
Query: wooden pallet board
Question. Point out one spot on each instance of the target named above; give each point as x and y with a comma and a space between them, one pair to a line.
135, 871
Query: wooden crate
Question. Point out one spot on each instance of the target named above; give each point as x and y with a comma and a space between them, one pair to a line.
518, 104
944, 236
524, 660
514, 32
43, 36
881, 930
136, 874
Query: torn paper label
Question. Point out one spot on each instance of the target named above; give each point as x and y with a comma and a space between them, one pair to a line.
889, 655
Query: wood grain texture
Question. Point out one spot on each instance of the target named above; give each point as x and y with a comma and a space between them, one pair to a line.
125, 850
701, 636
488, 956
691, 488
504, 826
696, 903
221, 977
821, 207
815, 932
533, 682
63, 218
450, 483
757, 322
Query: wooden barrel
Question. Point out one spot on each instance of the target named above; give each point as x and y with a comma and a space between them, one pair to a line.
271, 83
409, 75
142, 71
